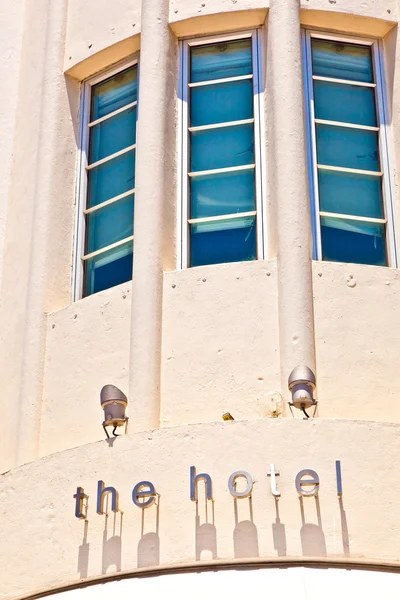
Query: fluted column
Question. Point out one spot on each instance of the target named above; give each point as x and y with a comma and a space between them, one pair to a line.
288, 187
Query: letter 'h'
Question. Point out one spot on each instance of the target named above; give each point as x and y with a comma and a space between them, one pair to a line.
101, 493
193, 484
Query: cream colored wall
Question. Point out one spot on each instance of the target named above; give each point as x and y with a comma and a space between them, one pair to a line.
227, 333
80, 359
227, 315
37, 244
47, 545
358, 336
96, 343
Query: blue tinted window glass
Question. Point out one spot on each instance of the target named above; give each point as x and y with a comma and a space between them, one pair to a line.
345, 103
346, 147
350, 194
222, 194
109, 224
221, 60
108, 269
112, 178
220, 148
223, 241
112, 135
221, 102
114, 93
340, 60
344, 240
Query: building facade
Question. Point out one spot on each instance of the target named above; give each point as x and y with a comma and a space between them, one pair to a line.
239, 158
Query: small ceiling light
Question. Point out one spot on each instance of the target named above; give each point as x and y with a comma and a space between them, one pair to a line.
301, 384
227, 417
114, 403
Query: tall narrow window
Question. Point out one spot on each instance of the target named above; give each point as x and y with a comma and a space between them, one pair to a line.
221, 150
108, 181
350, 173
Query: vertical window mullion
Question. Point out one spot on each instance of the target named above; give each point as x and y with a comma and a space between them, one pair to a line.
185, 155
81, 193
387, 180
312, 144
257, 145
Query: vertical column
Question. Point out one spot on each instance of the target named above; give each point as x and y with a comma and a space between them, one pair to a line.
288, 187
155, 201
37, 246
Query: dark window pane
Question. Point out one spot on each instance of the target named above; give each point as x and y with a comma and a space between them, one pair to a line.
225, 147
112, 135
350, 194
223, 241
346, 103
342, 61
112, 178
114, 93
109, 269
221, 103
221, 60
344, 240
346, 147
109, 224
222, 194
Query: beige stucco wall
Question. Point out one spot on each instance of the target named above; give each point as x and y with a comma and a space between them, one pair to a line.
221, 328
233, 317
76, 356
227, 314
48, 545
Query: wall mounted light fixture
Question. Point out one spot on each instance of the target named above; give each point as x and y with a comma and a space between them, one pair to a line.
301, 384
114, 403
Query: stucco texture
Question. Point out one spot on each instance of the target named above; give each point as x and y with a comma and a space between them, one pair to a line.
52, 547
79, 360
227, 315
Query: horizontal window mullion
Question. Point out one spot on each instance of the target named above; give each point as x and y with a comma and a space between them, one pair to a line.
220, 125
348, 170
344, 124
231, 216
110, 157
112, 114
107, 248
92, 209
353, 217
344, 81
222, 170
218, 81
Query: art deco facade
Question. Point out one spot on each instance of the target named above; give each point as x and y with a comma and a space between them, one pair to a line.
240, 158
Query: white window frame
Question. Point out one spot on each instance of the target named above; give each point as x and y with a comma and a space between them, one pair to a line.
385, 153
256, 36
82, 171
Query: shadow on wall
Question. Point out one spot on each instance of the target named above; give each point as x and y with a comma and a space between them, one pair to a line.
83, 554
206, 533
112, 546
148, 549
245, 536
345, 531
279, 532
312, 535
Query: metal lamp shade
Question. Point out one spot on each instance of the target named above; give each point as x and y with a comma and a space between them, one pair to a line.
114, 403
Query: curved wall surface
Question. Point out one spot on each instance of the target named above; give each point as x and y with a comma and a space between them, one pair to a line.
187, 345
53, 548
